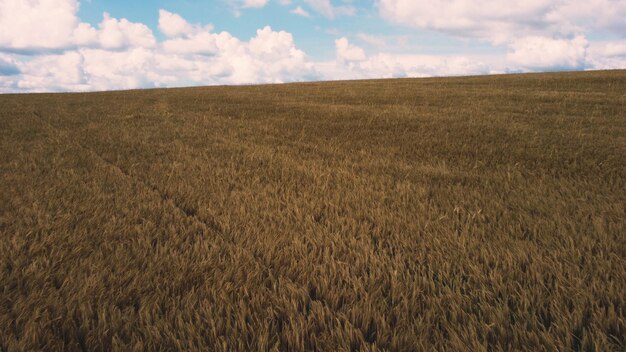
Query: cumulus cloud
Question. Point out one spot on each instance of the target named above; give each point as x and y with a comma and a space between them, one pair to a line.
119, 34
54, 72
540, 53
186, 38
55, 21
615, 49
173, 25
58, 28
133, 68
501, 21
203, 43
69, 55
347, 52
208, 57
540, 34
353, 63
125, 55
268, 57
84, 35
607, 55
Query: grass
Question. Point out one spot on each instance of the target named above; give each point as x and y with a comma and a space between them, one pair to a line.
477, 213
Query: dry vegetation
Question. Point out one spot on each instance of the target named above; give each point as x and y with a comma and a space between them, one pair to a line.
480, 213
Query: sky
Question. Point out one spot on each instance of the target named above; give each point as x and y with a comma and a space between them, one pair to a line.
94, 45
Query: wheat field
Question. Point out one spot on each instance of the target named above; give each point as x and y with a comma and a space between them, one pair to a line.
457, 214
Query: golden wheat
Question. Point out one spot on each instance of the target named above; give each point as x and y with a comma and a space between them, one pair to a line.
478, 213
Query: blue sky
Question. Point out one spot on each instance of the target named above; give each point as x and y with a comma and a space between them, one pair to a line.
72, 45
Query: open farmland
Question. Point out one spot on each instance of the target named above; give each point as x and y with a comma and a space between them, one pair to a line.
477, 213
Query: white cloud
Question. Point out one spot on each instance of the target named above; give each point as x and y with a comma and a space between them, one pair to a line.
541, 53
591, 15
40, 24
607, 55
185, 38
353, 63
503, 21
69, 55
271, 57
300, 12
37, 26
347, 52
201, 43
127, 57
540, 34
268, 42
327, 9
85, 35
119, 34
172, 25
54, 72
615, 49
133, 68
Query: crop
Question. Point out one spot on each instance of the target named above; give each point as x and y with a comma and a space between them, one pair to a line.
475, 213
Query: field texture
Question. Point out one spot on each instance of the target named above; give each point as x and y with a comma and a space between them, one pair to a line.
459, 214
